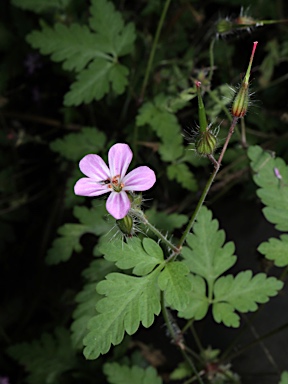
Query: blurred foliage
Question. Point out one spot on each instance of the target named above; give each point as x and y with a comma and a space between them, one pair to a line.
104, 48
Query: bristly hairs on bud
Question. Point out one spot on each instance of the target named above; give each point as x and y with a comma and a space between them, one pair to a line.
244, 22
241, 100
204, 138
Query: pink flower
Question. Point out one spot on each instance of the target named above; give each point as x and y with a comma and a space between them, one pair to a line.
101, 179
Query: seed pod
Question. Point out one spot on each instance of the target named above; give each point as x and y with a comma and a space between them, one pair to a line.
205, 143
241, 100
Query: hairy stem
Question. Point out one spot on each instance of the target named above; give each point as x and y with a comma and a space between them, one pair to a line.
140, 215
175, 336
208, 185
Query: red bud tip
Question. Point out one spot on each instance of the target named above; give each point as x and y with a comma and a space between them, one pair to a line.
198, 84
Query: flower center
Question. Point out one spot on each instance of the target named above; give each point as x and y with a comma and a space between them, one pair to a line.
116, 184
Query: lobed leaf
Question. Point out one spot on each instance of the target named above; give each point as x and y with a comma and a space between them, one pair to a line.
46, 359
173, 280
273, 190
87, 299
75, 45
91, 221
118, 39
198, 302
242, 293
207, 255
40, 6
122, 374
76, 145
129, 300
165, 125
276, 250
142, 256
94, 82
284, 378
182, 174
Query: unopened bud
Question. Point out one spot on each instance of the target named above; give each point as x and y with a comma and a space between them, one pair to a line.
224, 26
126, 225
205, 143
241, 100
201, 109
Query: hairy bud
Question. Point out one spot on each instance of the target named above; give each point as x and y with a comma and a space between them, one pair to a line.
126, 225
241, 100
205, 143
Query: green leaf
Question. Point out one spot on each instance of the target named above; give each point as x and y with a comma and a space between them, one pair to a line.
92, 221
87, 299
75, 45
165, 221
242, 293
182, 174
273, 191
76, 145
129, 300
142, 256
78, 47
46, 359
284, 378
181, 371
118, 39
94, 82
122, 374
176, 285
207, 255
40, 6
165, 125
198, 303
276, 250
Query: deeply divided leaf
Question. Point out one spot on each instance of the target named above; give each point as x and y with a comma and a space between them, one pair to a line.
142, 256
174, 281
129, 301
122, 374
51, 354
76, 145
198, 302
91, 221
276, 250
88, 298
74, 45
207, 255
242, 293
271, 175
165, 124
107, 22
95, 81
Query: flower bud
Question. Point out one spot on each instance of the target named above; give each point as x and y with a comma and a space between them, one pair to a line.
201, 109
205, 143
224, 26
126, 225
241, 100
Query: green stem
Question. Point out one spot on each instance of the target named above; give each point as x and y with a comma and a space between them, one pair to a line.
207, 186
175, 338
153, 50
140, 215
211, 54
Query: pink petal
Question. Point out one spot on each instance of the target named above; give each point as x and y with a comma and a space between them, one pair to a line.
118, 204
94, 166
89, 187
140, 179
119, 158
